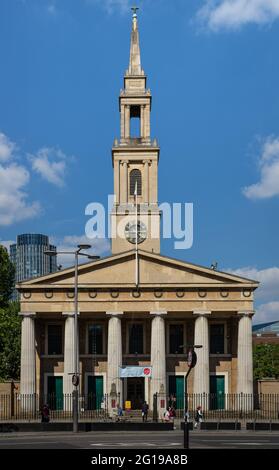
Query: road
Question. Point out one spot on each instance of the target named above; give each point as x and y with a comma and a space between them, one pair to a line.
141, 440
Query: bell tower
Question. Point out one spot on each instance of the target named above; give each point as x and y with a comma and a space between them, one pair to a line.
135, 157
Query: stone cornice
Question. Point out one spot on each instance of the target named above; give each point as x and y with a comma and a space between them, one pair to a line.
114, 314
246, 313
158, 313
202, 313
27, 314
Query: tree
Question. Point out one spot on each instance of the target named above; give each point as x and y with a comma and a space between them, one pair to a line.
7, 276
10, 332
266, 361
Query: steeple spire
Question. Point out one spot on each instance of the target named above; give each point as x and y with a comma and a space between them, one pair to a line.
135, 65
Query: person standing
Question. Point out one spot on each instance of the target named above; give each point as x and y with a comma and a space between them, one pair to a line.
144, 411
45, 413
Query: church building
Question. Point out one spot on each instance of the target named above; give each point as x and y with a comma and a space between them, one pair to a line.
138, 310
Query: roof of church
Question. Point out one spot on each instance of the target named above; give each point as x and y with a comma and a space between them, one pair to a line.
213, 276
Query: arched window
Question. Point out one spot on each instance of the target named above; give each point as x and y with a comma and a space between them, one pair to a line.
135, 177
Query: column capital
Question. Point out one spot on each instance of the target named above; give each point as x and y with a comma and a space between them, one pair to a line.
246, 313
69, 314
27, 314
202, 313
158, 313
114, 314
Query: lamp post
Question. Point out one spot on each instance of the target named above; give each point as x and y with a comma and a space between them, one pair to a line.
191, 361
75, 374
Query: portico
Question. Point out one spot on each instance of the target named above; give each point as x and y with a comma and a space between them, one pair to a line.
147, 319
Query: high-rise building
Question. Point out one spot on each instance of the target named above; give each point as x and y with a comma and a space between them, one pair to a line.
27, 254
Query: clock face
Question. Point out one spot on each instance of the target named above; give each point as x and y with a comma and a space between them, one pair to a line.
133, 231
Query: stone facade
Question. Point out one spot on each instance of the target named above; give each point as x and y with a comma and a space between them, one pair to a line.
137, 307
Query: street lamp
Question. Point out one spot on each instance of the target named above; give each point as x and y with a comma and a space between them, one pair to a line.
191, 361
75, 375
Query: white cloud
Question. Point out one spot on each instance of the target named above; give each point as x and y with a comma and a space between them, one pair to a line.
50, 164
14, 178
233, 14
7, 243
7, 148
13, 199
267, 294
100, 247
268, 278
267, 312
268, 186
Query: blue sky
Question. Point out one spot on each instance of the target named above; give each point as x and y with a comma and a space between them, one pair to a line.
213, 69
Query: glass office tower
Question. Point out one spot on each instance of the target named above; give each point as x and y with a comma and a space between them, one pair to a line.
29, 259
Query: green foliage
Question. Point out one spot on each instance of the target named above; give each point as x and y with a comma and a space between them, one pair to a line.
10, 329
266, 361
7, 276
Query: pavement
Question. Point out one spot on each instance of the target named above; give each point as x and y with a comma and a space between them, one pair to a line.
143, 440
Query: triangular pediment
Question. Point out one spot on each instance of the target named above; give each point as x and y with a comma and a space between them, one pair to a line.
154, 270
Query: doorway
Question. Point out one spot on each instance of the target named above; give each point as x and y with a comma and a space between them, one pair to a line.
135, 392
95, 392
217, 392
55, 392
176, 391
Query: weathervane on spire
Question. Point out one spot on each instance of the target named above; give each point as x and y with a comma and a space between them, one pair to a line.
134, 10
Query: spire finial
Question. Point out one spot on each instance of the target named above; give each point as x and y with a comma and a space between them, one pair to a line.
134, 65
134, 10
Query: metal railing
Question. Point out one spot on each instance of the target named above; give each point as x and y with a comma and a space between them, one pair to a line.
221, 406
19, 407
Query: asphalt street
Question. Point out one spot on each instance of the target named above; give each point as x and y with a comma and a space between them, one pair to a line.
141, 440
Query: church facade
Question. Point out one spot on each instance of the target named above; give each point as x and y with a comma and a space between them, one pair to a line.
137, 308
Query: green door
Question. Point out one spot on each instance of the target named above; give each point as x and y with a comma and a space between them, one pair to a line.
95, 392
55, 392
217, 392
176, 391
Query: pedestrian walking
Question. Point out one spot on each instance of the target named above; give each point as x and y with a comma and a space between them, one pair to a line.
198, 417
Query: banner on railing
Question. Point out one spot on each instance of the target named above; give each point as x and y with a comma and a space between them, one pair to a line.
135, 371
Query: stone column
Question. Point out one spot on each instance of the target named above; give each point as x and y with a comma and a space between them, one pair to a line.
142, 121
146, 182
127, 121
114, 383
122, 122
147, 121
69, 352
201, 370
116, 181
158, 360
28, 362
245, 353
125, 182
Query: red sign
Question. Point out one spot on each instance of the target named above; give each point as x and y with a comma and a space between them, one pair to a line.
147, 371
